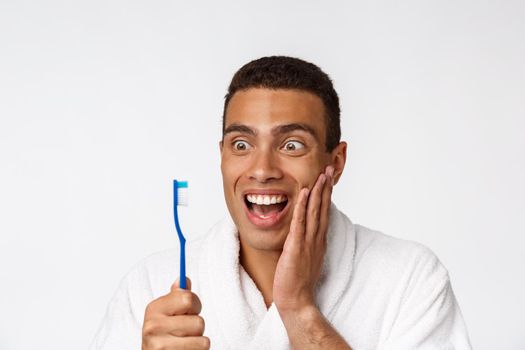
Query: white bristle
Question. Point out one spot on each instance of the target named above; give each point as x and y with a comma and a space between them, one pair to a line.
182, 195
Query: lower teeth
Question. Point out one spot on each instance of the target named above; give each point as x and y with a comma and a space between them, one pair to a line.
266, 211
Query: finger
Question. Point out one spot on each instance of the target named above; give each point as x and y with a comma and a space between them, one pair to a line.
179, 326
188, 325
171, 343
177, 302
325, 203
177, 283
314, 207
297, 226
193, 343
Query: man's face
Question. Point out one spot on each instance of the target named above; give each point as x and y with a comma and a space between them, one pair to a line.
273, 145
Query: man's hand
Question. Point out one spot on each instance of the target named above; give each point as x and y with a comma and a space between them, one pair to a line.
300, 264
299, 268
172, 321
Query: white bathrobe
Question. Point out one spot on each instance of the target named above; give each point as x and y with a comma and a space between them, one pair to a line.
377, 291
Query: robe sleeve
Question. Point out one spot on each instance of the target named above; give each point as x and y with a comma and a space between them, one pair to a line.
429, 316
121, 327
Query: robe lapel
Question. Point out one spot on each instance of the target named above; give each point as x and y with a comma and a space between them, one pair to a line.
229, 313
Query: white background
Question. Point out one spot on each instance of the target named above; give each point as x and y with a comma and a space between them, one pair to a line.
102, 103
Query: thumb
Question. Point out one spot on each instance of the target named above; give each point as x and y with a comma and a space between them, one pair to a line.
177, 283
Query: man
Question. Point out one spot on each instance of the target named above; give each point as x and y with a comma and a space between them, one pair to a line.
287, 269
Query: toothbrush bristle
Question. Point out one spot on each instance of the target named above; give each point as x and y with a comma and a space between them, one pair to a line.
182, 193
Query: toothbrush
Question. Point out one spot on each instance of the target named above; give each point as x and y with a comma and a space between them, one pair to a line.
180, 197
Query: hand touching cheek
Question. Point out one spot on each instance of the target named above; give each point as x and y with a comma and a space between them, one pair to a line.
300, 264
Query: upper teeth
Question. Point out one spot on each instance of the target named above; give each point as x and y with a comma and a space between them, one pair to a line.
265, 199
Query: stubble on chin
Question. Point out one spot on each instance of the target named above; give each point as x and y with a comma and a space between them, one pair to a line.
263, 241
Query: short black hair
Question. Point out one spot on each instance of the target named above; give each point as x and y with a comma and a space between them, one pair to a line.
283, 72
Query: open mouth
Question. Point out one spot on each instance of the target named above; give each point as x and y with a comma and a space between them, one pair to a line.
265, 210
265, 205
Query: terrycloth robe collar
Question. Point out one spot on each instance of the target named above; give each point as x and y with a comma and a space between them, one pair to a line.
234, 306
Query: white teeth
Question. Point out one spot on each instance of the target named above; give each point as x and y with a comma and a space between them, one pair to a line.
265, 199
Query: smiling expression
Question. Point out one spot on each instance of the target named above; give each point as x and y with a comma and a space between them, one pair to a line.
273, 145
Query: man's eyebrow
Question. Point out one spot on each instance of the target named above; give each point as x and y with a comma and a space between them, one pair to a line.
239, 128
286, 128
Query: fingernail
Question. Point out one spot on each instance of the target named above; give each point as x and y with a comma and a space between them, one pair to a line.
331, 171
323, 179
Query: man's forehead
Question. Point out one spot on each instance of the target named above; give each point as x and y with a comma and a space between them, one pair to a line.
268, 109
284, 98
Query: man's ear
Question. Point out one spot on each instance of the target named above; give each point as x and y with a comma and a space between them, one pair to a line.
220, 146
339, 160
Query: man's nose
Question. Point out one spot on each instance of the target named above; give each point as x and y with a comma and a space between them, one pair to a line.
265, 167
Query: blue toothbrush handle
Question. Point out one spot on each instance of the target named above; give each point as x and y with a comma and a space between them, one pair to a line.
182, 278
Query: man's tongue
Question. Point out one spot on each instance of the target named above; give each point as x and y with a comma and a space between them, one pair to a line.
267, 210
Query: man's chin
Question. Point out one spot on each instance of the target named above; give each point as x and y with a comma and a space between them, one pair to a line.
264, 240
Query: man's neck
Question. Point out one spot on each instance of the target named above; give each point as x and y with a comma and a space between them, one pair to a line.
260, 265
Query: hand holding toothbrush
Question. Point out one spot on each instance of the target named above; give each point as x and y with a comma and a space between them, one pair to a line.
173, 322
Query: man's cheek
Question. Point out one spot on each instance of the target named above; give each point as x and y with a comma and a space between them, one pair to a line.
309, 183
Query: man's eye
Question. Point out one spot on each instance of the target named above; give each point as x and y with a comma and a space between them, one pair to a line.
293, 146
241, 145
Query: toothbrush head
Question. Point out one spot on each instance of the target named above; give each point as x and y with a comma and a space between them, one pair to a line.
180, 192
